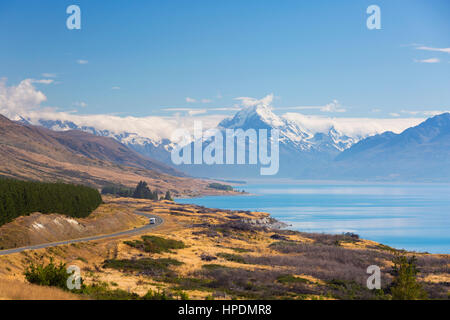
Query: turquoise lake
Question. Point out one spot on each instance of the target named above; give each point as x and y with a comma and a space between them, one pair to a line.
405, 216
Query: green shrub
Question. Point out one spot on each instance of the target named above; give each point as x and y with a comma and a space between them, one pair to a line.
231, 257
288, 278
155, 244
101, 291
213, 266
165, 295
47, 275
146, 264
240, 250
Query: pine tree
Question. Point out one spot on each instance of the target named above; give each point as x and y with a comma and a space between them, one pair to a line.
168, 196
405, 285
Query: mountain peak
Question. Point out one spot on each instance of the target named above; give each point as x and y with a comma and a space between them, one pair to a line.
258, 116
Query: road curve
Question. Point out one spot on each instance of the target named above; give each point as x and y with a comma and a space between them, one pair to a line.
159, 221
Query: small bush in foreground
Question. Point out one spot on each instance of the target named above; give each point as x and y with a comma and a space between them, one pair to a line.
165, 295
47, 275
101, 291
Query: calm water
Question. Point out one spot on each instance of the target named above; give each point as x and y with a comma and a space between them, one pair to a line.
409, 216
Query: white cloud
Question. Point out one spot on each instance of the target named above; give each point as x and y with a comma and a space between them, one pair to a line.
192, 100
411, 112
21, 98
226, 109
431, 60
152, 127
80, 61
446, 50
427, 113
353, 127
81, 104
435, 112
115, 88
394, 114
333, 106
250, 102
197, 111
25, 100
49, 75
42, 81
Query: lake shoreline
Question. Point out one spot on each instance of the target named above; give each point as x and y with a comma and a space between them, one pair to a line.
396, 214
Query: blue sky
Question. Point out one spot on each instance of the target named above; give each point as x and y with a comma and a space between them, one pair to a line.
143, 57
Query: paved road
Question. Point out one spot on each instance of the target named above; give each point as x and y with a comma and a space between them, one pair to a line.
159, 221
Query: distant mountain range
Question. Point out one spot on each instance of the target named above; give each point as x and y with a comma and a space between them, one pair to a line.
30, 152
418, 153
297, 145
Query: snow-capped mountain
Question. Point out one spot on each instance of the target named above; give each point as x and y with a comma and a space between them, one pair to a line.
299, 147
419, 152
292, 135
158, 149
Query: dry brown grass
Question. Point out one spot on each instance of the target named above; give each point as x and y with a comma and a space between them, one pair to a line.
18, 290
106, 219
316, 258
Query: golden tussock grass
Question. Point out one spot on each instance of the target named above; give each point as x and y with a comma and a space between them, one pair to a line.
18, 290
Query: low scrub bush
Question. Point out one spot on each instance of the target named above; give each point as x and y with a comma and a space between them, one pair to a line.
289, 278
213, 266
155, 244
53, 275
101, 291
231, 257
145, 266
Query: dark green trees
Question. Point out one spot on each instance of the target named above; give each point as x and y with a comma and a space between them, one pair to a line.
118, 191
19, 198
142, 191
220, 186
168, 196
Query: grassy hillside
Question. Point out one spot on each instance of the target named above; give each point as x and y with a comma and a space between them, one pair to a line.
204, 253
